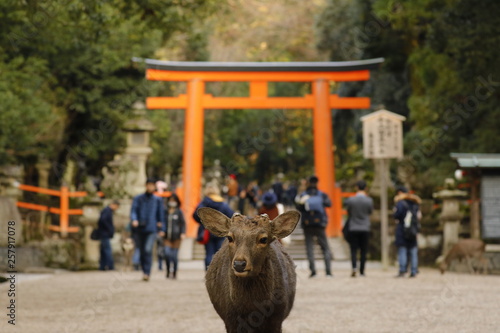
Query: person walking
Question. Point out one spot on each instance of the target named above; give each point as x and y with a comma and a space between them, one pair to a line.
106, 231
213, 200
233, 190
175, 233
407, 215
277, 187
148, 219
311, 204
359, 209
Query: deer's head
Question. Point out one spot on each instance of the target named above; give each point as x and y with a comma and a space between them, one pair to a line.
442, 264
248, 239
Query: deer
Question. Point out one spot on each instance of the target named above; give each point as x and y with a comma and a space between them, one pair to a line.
251, 280
468, 249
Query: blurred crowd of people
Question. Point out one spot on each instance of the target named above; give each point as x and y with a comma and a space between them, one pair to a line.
160, 220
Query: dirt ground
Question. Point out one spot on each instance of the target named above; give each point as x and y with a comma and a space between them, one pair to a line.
121, 302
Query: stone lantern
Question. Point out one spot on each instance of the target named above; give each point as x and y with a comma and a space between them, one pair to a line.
138, 130
450, 214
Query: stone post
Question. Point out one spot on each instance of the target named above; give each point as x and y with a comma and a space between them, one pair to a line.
10, 177
137, 151
450, 214
43, 168
91, 212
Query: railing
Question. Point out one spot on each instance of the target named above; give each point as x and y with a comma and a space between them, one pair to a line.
63, 210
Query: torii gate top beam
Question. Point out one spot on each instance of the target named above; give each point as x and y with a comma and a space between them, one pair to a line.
302, 66
261, 71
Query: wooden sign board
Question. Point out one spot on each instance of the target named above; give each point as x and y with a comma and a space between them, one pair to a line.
383, 135
490, 206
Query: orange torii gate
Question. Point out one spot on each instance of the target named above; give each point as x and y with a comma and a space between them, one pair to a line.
258, 74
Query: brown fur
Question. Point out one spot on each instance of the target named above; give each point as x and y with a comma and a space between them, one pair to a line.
261, 297
127, 245
467, 249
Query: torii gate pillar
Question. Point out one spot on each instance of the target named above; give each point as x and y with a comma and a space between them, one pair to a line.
324, 163
192, 163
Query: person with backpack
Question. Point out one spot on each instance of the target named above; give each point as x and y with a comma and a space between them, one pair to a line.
407, 216
311, 203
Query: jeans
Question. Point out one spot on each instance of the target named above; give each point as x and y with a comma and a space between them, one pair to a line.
136, 257
359, 240
106, 259
160, 252
213, 245
171, 257
319, 233
145, 244
403, 254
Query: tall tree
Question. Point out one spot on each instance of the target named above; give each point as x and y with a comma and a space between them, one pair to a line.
437, 72
78, 55
455, 81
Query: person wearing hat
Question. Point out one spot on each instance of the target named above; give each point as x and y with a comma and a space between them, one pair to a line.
311, 203
273, 208
148, 220
270, 205
407, 209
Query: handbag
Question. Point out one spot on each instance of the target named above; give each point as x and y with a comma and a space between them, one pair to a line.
95, 234
346, 230
203, 235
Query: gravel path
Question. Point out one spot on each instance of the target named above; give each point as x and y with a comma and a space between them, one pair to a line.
121, 302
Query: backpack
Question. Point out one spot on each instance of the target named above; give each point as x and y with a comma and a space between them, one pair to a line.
314, 211
411, 224
314, 203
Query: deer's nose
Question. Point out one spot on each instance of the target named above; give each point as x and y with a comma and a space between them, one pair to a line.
239, 265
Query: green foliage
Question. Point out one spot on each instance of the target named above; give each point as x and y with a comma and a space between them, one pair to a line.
440, 71
29, 123
68, 81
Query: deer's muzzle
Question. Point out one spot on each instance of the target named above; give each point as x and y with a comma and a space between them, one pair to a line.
239, 265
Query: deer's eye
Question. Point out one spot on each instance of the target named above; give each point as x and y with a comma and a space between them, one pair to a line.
230, 239
263, 240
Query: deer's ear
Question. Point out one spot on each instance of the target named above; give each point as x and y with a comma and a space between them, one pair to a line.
213, 220
284, 224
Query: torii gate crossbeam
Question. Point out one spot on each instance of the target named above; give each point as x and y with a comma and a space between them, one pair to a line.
258, 75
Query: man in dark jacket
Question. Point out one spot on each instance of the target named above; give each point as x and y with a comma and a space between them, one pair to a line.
106, 232
407, 207
311, 204
359, 208
148, 219
213, 200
